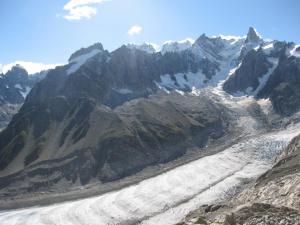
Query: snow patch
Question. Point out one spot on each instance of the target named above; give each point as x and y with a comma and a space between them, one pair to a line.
25, 92
268, 48
123, 91
77, 62
183, 81
295, 53
264, 79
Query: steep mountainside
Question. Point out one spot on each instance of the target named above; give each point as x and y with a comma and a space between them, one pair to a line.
272, 70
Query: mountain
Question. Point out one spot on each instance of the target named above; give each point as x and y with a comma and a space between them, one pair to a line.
106, 116
14, 87
270, 70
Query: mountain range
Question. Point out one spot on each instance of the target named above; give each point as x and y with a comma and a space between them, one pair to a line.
105, 119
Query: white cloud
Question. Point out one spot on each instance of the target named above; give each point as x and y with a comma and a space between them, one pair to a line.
135, 30
31, 67
79, 9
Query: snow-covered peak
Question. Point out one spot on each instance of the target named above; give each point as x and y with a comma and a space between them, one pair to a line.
177, 46
85, 51
231, 39
17, 72
147, 47
253, 36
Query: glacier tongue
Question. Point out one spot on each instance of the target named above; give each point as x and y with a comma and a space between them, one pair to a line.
166, 198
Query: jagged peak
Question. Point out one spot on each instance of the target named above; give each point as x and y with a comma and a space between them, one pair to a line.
187, 40
252, 35
177, 46
146, 46
17, 69
202, 38
95, 47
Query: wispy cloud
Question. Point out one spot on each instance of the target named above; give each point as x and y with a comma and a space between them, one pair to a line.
81, 9
30, 67
135, 30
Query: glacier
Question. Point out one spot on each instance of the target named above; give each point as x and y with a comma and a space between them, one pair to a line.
168, 197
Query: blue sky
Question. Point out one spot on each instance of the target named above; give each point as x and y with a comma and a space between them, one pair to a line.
48, 31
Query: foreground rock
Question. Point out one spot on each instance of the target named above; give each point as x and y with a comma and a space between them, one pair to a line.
254, 214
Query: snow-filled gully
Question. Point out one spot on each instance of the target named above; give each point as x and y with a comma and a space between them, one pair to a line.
166, 198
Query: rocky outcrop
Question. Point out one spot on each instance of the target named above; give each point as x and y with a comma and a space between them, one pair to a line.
257, 213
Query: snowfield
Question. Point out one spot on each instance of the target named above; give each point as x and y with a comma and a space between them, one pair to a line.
166, 198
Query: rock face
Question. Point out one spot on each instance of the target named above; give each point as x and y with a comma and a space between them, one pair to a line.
246, 77
283, 86
272, 71
14, 86
252, 36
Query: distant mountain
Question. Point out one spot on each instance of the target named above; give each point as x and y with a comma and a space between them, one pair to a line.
14, 87
108, 115
269, 70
